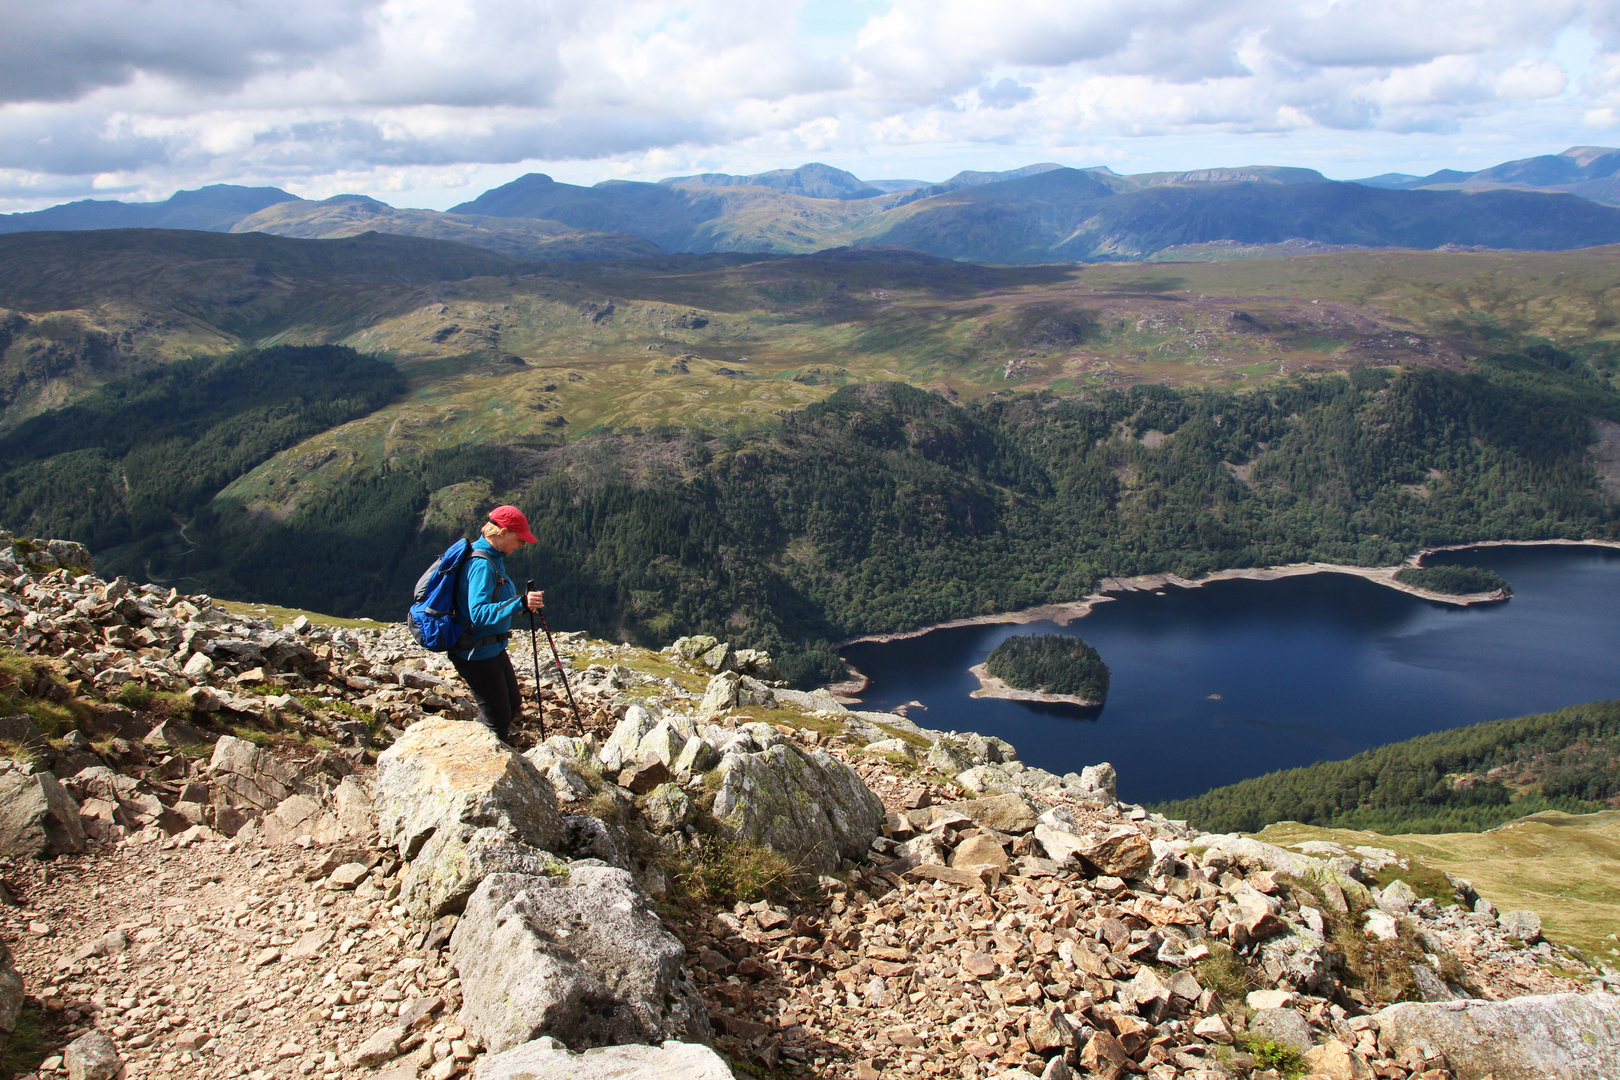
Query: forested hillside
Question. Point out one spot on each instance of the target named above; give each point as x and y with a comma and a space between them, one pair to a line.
1462, 780
885, 507
140, 455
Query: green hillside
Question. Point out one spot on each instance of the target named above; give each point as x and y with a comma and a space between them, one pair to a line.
885, 507
1462, 780
520, 238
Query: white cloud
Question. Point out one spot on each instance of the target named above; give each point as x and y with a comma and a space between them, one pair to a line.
381, 95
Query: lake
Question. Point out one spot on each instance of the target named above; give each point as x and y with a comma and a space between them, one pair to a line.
1240, 678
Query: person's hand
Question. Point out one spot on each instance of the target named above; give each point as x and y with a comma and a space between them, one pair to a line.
535, 600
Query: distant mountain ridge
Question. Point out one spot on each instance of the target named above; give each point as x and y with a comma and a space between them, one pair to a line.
1038, 213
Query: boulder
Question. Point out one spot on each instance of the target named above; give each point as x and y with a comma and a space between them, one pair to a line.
456, 772
299, 816
1540, 1037
1100, 782
1524, 925
623, 747
948, 758
92, 1056
547, 1059
1336, 1061
457, 858
1397, 898
697, 756
20, 729
690, 648
11, 992
1122, 852
981, 850
811, 808
38, 819
173, 734
1010, 813
1283, 1026
723, 693
251, 776
587, 963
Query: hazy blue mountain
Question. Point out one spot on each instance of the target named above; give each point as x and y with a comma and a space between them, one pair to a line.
214, 208
1592, 172
814, 181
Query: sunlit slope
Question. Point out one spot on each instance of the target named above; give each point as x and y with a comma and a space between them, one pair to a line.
718, 337
1564, 867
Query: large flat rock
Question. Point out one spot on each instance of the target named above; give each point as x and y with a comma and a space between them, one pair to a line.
811, 808
546, 1059
585, 961
1540, 1037
38, 818
454, 772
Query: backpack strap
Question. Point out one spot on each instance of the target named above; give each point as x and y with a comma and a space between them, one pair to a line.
468, 644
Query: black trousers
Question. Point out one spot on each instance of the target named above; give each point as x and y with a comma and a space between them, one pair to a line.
494, 688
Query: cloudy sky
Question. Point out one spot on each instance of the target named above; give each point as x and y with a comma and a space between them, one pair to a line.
428, 102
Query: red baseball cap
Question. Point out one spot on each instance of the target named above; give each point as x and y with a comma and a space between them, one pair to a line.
511, 519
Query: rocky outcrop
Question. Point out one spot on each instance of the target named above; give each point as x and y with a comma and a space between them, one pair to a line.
586, 962
442, 773
809, 807
457, 858
37, 817
1541, 1037
547, 1059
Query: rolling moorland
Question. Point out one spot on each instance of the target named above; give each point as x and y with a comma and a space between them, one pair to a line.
1039, 213
790, 451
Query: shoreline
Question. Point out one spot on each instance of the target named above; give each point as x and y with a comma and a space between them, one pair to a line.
1064, 613
992, 687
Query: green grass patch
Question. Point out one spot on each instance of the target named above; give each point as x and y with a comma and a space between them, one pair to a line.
25, 1047
728, 872
1270, 1054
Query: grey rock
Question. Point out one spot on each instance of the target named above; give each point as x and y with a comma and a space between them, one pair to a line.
1281, 1025
251, 776
586, 837
1101, 781
381, 1047
811, 808
724, 692
587, 963
623, 747
547, 1059
38, 818
948, 758
690, 648
1397, 898
1540, 1037
1524, 925
667, 808
11, 991
173, 734
453, 862
92, 1056
1430, 984
443, 772
19, 728
697, 756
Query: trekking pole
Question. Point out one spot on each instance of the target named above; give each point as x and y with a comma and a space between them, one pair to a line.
557, 659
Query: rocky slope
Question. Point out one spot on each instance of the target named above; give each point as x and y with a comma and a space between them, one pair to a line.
233, 848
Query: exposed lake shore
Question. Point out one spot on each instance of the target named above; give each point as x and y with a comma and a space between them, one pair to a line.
992, 687
1064, 613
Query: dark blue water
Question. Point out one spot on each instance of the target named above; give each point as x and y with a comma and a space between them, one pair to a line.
1305, 669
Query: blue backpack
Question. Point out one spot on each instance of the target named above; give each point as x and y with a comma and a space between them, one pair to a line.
434, 621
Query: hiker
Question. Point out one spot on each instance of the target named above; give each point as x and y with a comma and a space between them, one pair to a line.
488, 599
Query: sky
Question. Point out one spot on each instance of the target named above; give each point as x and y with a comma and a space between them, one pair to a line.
427, 103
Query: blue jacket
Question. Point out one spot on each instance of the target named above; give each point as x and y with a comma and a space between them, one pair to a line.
488, 598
